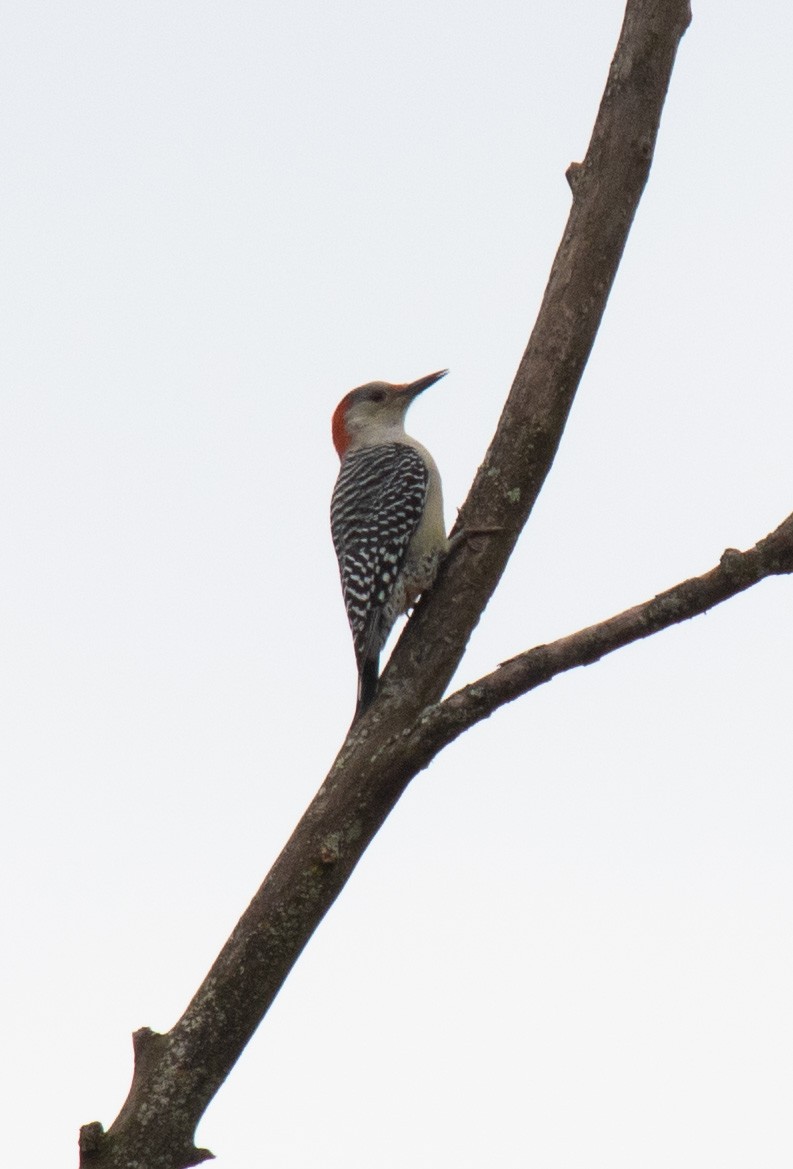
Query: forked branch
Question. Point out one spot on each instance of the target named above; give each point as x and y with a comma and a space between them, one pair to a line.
177, 1074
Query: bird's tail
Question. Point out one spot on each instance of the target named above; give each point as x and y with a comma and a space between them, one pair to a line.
368, 671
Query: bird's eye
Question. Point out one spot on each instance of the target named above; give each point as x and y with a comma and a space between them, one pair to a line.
377, 396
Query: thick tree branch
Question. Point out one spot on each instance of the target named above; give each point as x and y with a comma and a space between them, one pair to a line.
177, 1074
607, 187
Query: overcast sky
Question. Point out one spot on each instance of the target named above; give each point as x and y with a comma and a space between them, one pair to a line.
571, 943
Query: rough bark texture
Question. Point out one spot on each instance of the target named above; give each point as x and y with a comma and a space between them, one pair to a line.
177, 1074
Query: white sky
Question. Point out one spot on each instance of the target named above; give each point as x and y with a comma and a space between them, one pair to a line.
571, 944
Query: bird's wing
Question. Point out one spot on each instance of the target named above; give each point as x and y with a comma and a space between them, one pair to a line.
376, 507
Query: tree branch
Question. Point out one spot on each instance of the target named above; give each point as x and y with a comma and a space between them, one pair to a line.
177, 1074
607, 187
735, 572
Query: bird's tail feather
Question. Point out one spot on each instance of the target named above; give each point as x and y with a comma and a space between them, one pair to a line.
368, 670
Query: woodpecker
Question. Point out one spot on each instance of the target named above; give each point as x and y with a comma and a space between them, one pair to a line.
386, 517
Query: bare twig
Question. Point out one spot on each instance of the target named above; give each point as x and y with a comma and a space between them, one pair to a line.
735, 572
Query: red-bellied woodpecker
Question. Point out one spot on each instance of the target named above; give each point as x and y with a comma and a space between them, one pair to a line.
386, 517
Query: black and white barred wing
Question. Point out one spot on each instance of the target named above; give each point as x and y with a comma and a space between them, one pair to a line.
376, 507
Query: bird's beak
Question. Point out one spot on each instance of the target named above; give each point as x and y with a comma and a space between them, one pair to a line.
413, 389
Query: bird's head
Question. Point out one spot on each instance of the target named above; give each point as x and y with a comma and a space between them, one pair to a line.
375, 412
